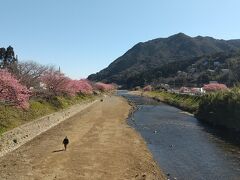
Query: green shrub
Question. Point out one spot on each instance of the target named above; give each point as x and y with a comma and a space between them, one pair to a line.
183, 101
221, 109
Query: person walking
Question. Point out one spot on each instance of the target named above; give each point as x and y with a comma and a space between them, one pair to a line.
65, 142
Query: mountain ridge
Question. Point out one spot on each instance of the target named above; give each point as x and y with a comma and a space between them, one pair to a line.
157, 52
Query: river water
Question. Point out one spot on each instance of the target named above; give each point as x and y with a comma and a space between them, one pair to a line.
182, 146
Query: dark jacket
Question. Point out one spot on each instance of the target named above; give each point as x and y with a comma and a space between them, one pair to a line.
65, 141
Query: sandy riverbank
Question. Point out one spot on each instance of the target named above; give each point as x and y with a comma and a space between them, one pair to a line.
102, 146
18, 136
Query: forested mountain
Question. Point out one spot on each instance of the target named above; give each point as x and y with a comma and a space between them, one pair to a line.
165, 59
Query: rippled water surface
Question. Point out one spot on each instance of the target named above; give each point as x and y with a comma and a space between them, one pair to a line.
183, 147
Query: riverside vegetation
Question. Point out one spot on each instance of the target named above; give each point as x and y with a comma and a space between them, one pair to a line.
29, 90
11, 117
221, 109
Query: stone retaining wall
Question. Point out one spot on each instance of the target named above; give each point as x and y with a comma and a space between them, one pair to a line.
16, 137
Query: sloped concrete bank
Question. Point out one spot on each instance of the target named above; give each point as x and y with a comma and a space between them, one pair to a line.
16, 137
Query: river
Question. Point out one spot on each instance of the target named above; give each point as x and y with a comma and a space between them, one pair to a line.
182, 146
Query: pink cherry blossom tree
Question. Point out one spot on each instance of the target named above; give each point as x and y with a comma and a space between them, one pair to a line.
56, 82
104, 87
11, 91
85, 87
148, 88
78, 86
214, 87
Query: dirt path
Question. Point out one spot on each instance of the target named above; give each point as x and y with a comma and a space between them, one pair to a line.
102, 146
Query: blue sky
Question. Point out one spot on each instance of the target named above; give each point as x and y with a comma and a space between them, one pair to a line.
85, 36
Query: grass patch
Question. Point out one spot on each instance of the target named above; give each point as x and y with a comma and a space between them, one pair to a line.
183, 101
11, 117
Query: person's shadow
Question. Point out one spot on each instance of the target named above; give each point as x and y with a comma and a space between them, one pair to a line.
58, 150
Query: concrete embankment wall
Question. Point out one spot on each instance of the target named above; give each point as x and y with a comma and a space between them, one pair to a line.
16, 137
